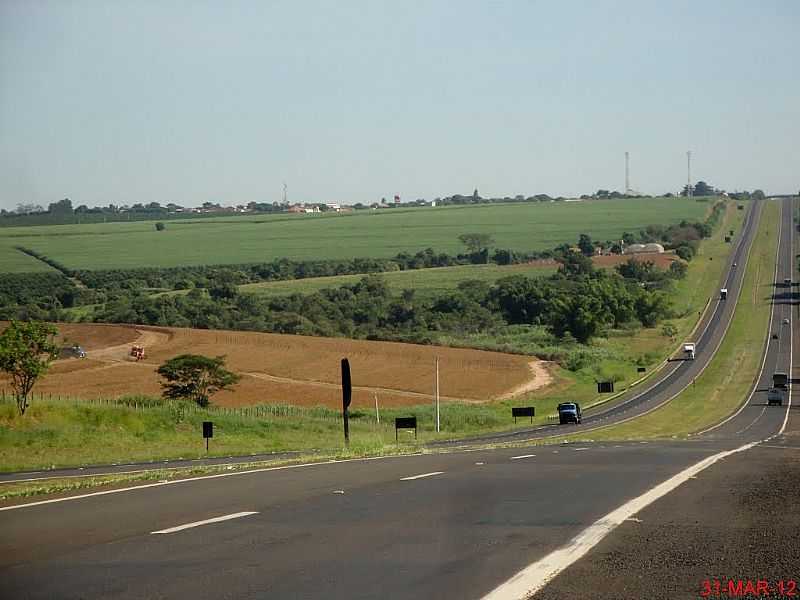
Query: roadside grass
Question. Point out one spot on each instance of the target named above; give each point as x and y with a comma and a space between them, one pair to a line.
63, 433
367, 233
727, 380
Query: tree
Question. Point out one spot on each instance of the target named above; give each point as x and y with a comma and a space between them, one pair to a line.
195, 377
26, 351
160, 226
574, 264
586, 245
61, 207
476, 242
701, 188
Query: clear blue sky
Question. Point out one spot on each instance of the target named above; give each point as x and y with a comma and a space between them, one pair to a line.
191, 101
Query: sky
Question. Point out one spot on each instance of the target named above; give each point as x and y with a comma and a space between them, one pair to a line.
187, 102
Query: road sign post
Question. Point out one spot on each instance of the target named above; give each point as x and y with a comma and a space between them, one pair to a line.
347, 396
405, 423
523, 411
208, 431
605, 387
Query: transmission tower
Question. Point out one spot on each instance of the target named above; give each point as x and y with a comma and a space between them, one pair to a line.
627, 174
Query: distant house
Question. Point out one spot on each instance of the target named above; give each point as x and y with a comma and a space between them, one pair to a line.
333, 207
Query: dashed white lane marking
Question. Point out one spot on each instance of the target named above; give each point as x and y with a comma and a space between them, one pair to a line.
522, 456
421, 476
763, 410
136, 488
579, 449
536, 575
479, 464
206, 522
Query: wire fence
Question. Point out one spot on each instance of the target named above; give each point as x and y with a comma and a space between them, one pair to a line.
145, 403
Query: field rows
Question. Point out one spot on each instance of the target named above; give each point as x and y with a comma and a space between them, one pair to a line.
375, 234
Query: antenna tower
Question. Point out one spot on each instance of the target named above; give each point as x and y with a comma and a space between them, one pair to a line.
689, 173
627, 174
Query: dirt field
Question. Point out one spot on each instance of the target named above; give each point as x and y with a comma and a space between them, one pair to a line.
661, 260
289, 369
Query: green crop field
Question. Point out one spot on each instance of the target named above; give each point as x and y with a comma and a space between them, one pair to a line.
426, 282
376, 234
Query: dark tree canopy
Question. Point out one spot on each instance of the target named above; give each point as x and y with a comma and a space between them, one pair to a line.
476, 242
195, 377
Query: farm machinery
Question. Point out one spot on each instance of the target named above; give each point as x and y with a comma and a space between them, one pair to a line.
137, 353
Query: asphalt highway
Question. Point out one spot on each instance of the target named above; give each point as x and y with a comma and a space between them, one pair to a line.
448, 525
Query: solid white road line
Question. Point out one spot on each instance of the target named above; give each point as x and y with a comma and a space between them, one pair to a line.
206, 522
421, 476
534, 577
198, 478
522, 456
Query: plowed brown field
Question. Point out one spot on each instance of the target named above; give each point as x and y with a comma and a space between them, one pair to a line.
289, 369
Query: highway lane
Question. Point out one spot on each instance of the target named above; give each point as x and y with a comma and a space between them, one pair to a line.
340, 530
334, 530
755, 419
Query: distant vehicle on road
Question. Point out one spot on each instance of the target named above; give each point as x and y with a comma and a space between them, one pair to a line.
569, 412
74, 351
780, 380
689, 351
776, 395
723, 294
787, 282
785, 321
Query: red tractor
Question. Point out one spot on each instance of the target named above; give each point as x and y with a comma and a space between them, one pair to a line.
137, 353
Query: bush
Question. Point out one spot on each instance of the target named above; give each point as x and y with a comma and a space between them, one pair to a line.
160, 226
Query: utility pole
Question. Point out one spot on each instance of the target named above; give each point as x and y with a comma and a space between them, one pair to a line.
627, 174
285, 189
438, 428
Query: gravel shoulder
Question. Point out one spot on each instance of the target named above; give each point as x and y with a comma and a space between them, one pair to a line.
738, 520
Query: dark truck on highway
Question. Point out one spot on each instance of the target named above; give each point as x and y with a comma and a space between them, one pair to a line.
569, 412
780, 388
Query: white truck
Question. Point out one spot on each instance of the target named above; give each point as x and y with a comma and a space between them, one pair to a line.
723, 293
688, 351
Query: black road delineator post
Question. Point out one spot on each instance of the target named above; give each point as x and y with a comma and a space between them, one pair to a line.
347, 397
208, 431
523, 411
405, 423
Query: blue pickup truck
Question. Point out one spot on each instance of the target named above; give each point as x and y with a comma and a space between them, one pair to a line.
569, 412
